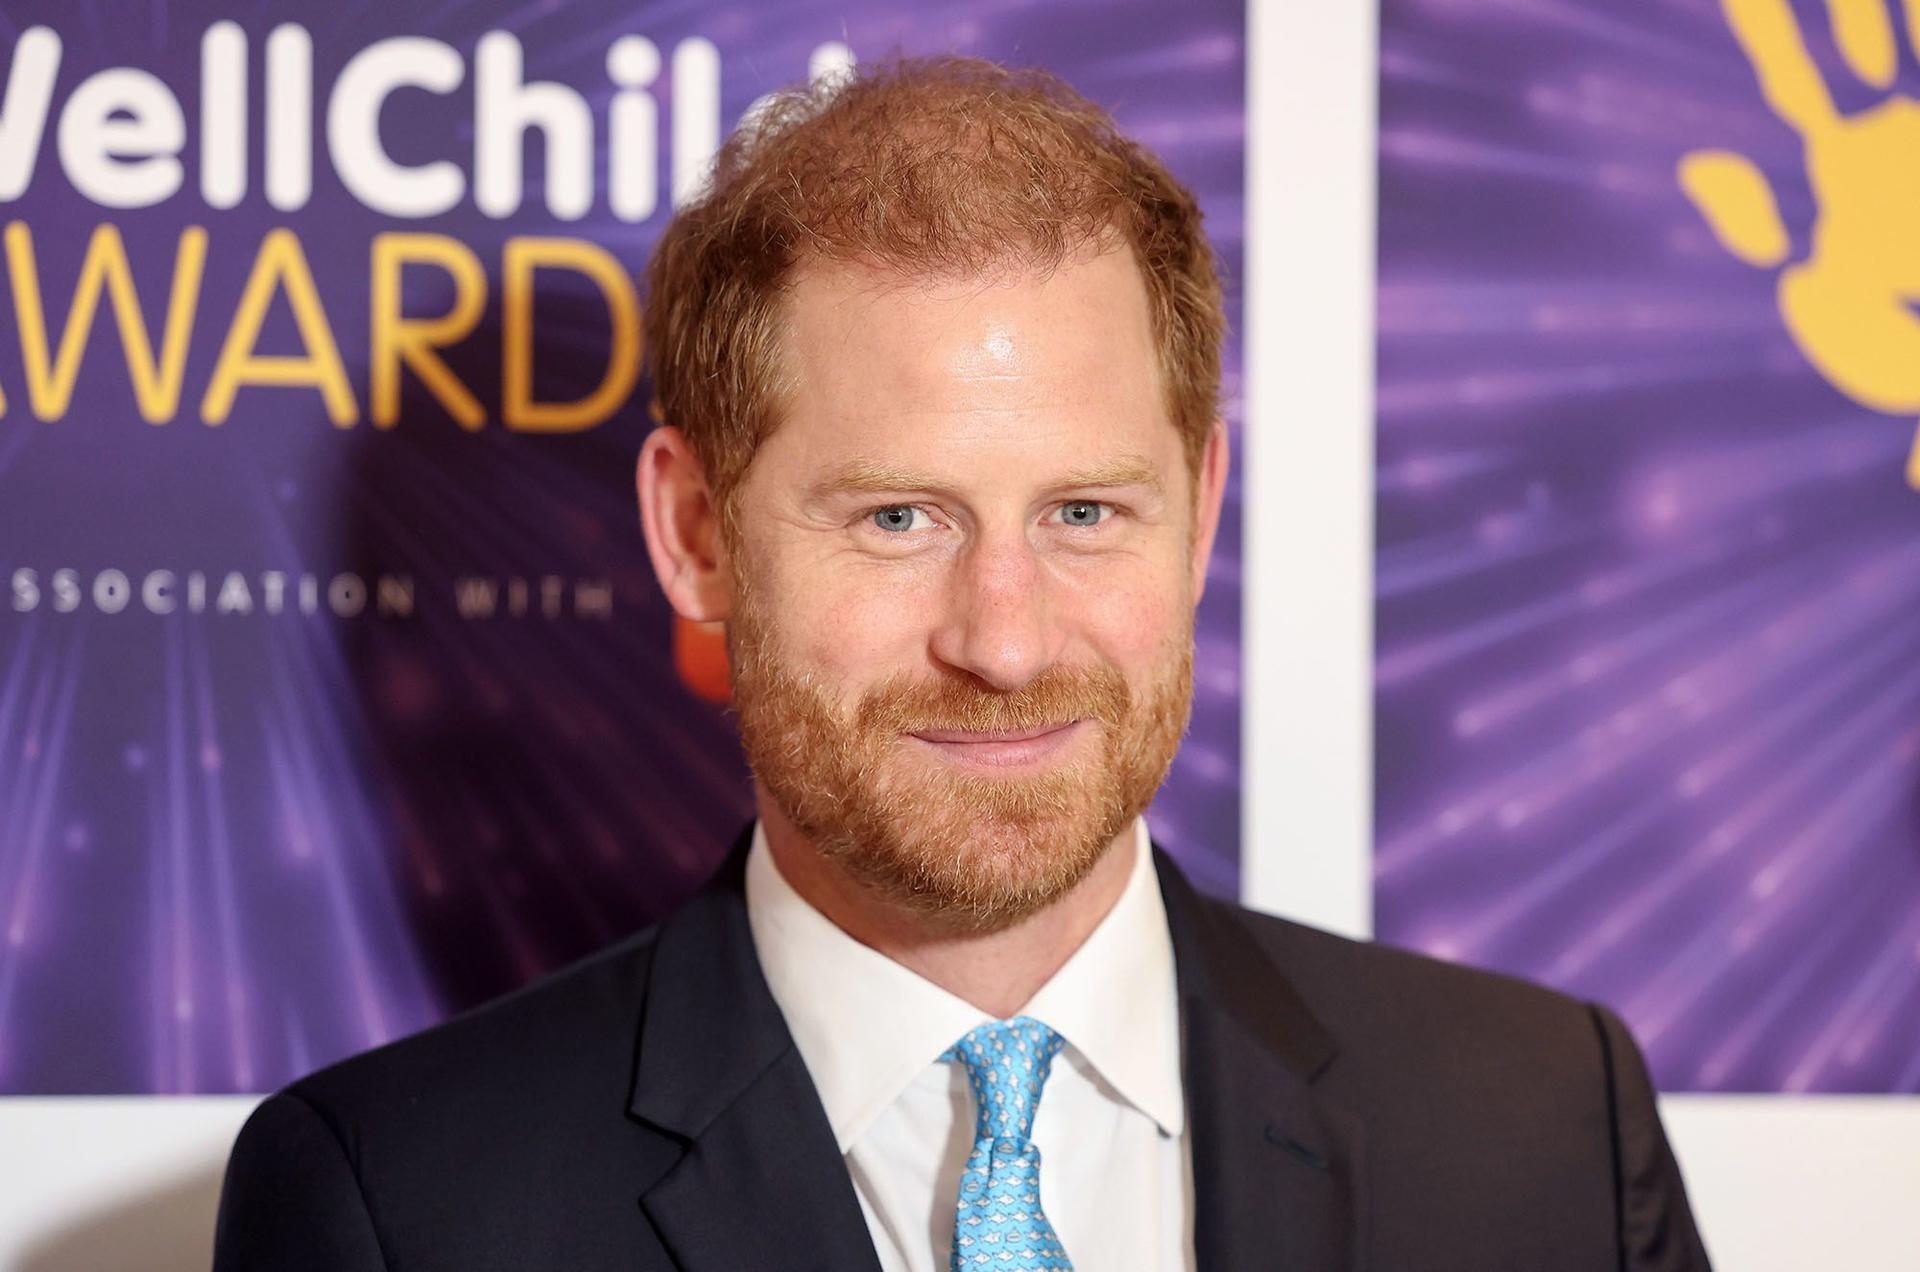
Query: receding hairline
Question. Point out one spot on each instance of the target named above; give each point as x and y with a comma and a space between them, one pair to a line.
864, 275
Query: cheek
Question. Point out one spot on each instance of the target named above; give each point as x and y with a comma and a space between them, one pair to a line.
854, 626
1127, 612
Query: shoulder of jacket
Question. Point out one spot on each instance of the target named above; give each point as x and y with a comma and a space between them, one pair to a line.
584, 1011
1362, 989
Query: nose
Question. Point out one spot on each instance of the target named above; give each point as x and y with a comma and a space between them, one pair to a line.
999, 620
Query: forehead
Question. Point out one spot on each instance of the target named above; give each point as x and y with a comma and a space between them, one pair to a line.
1062, 359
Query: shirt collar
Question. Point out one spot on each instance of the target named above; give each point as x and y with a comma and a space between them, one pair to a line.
1114, 1000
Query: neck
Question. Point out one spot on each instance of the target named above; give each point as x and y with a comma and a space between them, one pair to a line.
997, 971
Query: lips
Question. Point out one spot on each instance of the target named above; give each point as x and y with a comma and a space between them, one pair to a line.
1002, 750
999, 735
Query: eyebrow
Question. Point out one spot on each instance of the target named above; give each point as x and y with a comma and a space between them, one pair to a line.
873, 478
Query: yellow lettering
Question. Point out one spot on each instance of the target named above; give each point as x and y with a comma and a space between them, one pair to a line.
522, 256
413, 340
156, 382
280, 264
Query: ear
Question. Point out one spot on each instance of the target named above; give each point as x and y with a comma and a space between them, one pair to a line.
1210, 488
682, 525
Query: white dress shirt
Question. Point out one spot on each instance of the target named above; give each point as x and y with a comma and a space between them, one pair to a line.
1115, 1171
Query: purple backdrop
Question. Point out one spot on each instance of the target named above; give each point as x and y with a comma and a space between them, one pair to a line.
1648, 588
236, 845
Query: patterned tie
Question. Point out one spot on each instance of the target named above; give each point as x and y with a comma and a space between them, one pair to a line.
1000, 1223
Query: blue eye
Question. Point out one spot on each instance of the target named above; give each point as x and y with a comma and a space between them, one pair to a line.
1082, 513
895, 517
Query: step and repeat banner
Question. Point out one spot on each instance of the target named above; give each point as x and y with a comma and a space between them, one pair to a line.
1648, 572
336, 693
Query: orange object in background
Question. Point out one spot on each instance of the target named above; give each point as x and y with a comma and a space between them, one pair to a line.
700, 658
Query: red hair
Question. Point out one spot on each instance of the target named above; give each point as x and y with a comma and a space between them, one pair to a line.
941, 167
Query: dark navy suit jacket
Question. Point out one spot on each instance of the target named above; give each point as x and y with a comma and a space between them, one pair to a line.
1351, 1107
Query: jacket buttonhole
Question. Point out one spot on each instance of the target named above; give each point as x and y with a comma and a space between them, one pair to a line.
1277, 1136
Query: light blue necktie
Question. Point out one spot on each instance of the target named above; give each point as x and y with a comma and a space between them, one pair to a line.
999, 1223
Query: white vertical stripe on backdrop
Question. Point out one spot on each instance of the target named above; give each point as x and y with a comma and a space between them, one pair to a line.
1307, 465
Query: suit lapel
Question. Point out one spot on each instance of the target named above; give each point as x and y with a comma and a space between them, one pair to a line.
1278, 1172
763, 1187
749, 1175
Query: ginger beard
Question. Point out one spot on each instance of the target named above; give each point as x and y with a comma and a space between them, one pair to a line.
977, 851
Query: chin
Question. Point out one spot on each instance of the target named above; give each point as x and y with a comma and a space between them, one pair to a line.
980, 860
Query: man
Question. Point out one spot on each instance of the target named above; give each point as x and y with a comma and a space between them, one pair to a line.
938, 354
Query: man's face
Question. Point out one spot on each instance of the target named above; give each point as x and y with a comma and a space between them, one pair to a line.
965, 574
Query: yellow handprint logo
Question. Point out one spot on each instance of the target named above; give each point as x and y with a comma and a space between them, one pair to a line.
1850, 304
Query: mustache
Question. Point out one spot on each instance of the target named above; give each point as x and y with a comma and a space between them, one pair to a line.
904, 704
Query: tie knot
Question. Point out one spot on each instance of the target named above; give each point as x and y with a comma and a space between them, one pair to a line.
1007, 1063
